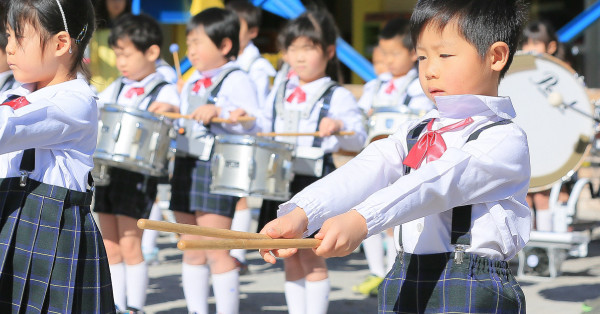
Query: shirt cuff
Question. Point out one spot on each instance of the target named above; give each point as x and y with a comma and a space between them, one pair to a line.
311, 209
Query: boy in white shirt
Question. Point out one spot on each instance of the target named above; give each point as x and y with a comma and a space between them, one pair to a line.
455, 180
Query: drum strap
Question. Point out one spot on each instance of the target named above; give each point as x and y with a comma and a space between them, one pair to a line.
324, 111
460, 232
408, 97
151, 90
8, 82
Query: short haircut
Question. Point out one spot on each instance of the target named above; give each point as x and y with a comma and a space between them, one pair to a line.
481, 22
143, 31
541, 31
218, 24
3, 40
246, 11
398, 28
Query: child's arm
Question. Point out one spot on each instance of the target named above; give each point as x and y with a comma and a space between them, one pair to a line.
167, 100
238, 92
346, 116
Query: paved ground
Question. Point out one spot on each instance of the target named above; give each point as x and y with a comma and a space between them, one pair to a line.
262, 289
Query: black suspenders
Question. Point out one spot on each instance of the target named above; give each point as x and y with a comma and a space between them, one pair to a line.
460, 234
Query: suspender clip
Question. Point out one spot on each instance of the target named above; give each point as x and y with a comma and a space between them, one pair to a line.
24, 176
459, 253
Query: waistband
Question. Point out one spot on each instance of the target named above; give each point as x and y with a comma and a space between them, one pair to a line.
470, 261
70, 197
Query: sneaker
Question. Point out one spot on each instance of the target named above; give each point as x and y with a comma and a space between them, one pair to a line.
242, 266
591, 306
369, 287
151, 257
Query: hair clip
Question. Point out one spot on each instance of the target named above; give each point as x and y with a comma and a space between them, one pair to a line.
81, 35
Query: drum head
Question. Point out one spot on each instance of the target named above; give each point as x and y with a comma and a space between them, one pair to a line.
541, 88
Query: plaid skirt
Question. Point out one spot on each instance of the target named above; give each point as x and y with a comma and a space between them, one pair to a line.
190, 189
433, 283
52, 258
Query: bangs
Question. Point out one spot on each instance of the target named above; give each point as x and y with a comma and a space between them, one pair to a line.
304, 26
20, 14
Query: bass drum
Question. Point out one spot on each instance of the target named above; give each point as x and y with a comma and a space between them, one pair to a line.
554, 110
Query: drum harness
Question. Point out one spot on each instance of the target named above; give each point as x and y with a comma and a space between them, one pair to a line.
8, 82
460, 232
194, 101
401, 90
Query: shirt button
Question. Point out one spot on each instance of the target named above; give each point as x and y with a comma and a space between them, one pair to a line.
420, 227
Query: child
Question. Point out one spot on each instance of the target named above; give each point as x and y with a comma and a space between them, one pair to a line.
463, 212
136, 40
260, 72
51, 254
7, 79
311, 101
216, 89
403, 89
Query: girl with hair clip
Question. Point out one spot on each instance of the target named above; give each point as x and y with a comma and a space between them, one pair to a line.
51, 254
311, 101
218, 88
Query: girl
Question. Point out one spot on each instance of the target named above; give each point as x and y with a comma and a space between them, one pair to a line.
311, 101
216, 89
51, 254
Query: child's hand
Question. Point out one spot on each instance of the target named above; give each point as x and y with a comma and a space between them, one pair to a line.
205, 113
341, 235
180, 83
289, 226
162, 107
329, 126
239, 112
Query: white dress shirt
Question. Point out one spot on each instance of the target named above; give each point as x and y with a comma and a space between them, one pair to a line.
492, 173
379, 97
168, 93
259, 69
61, 123
343, 107
236, 92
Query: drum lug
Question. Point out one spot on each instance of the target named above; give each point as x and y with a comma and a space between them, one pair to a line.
138, 133
272, 166
217, 165
251, 168
116, 132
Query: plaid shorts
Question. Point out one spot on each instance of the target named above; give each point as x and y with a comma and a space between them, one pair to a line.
190, 189
434, 283
52, 258
128, 193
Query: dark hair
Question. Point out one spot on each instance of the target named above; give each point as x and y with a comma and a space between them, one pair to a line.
3, 40
318, 27
46, 18
482, 23
246, 11
102, 16
143, 31
541, 31
218, 24
398, 28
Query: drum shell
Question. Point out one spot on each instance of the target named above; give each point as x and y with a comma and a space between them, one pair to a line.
244, 165
133, 140
385, 121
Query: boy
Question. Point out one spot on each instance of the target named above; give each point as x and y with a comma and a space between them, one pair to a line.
463, 211
136, 40
403, 89
7, 80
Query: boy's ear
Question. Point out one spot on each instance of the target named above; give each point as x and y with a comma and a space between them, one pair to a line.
253, 32
226, 46
153, 53
498, 55
330, 52
552, 47
413, 55
62, 40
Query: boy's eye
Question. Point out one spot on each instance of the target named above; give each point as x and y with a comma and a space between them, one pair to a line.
421, 58
445, 56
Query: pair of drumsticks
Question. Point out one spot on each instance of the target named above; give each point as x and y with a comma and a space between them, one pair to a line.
227, 239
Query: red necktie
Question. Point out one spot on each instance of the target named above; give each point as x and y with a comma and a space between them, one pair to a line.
206, 82
16, 103
390, 88
134, 90
297, 94
431, 145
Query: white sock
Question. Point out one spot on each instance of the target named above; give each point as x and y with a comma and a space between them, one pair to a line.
317, 296
137, 284
226, 287
195, 287
241, 222
373, 247
390, 253
295, 296
117, 276
543, 219
149, 236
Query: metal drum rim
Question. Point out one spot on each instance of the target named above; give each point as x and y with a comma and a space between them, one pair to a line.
250, 140
136, 113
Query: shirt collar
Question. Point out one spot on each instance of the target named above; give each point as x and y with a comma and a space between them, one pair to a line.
76, 85
464, 106
213, 72
308, 88
249, 54
145, 81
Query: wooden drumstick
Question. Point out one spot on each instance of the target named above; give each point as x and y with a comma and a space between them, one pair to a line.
247, 244
315, 134
197, 230
173, 115
174, 48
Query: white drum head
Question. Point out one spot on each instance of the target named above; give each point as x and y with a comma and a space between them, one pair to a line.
541, 87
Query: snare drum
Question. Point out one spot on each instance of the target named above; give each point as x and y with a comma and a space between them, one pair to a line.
133, 140
386, 120
244, 165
